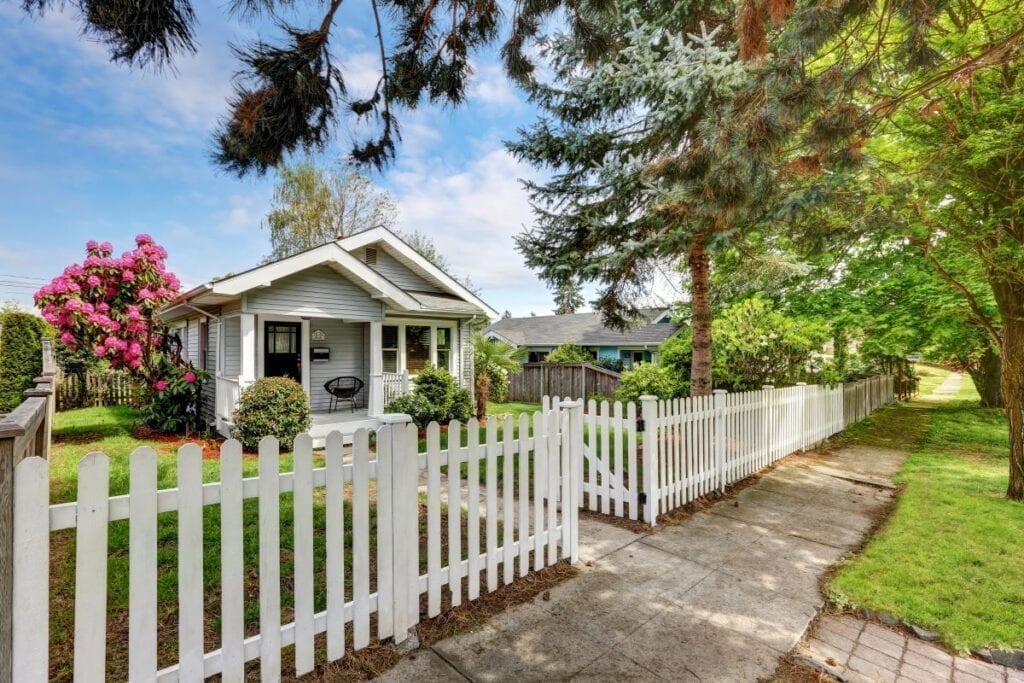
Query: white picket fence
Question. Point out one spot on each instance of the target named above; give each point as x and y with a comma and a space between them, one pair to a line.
504, 524
693, 446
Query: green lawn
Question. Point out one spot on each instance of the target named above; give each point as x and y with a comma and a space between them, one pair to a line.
931, 378
950, 556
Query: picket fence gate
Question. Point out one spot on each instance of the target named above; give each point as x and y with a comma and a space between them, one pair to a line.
685, 448
535, 504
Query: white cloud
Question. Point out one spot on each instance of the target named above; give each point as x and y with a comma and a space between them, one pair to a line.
490, 86
472, 214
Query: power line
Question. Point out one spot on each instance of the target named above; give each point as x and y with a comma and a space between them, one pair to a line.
6, 276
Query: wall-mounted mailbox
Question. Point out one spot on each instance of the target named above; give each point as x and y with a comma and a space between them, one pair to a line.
320, 354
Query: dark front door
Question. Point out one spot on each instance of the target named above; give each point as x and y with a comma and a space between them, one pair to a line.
283, 350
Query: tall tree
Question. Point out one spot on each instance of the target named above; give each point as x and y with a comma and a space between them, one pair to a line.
313, 205
653, 158
568, 297
291, 92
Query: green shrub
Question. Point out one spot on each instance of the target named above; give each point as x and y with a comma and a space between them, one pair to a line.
650, 379
436, 397
498, 392
272, 406
569, 353
172, 406
21, 359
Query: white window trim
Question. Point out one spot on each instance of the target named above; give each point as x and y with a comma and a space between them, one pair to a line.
451, 325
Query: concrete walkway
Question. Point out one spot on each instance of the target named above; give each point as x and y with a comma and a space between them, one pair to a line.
719, 597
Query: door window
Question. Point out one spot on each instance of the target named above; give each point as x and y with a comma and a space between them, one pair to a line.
389, 347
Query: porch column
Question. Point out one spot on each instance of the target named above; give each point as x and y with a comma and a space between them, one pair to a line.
375, 402
248, 335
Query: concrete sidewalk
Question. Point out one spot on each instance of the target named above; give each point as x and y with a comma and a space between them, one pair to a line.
718, 598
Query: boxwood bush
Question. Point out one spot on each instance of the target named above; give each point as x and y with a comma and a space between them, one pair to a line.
272, 406
436, 397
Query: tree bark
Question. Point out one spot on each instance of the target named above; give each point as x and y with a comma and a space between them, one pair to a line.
1010, 299
483, 392
987, 376
699, 263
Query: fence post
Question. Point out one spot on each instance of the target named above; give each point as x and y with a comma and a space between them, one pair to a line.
720, 422
649, 414
769, 417
803, 415
571, 501
398, 507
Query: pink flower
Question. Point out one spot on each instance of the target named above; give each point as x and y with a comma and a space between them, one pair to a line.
127, 276
67, 338
92, 245
100, 351
135, 364
142, 239
146, 294
161, 385
190, 377
93, 281
106, 247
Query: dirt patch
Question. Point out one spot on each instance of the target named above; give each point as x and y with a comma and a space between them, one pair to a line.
790, 671
211, 447
77, 438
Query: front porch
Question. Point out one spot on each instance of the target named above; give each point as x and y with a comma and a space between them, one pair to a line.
344, 421
382, 355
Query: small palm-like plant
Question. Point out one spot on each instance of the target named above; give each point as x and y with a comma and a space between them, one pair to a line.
492, 355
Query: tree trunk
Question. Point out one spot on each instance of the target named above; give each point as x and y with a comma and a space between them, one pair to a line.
700, 317
483, 392
1010, 299
987, 378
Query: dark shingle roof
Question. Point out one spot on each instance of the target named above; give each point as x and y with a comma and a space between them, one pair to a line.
585, 329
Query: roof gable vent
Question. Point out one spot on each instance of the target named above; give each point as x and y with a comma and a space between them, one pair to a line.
370, 256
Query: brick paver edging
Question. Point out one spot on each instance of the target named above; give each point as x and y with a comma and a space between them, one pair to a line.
859, 650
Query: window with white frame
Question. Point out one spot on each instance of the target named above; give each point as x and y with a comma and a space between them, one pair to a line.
411, 346
389, 347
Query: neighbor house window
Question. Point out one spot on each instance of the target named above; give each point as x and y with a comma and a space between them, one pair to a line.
537, 357
444, 348
389, 344
417, 347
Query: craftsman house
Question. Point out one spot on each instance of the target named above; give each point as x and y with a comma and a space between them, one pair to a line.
366, 307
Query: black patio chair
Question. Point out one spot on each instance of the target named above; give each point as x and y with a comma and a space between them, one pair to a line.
343, 390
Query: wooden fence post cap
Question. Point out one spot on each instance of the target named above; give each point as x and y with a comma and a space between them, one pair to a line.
719, 392
568, 403
767, 386
648, 397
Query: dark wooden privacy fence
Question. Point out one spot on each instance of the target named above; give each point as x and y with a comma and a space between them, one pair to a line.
112, 388
578, 380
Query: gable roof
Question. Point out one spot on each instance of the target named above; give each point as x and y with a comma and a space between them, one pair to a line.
585, 329
338, 255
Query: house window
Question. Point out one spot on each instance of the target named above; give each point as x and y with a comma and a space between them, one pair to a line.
537, 357
444, 348
417, 347
389, 347
204, 343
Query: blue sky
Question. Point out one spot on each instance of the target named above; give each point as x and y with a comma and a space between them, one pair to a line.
92, 150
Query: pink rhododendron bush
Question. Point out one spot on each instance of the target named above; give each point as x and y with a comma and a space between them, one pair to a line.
110, 304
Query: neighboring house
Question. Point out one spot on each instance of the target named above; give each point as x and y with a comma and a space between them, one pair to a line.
541, 334
366, 306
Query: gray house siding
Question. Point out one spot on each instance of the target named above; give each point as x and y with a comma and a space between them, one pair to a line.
395, 271
466, 353
346, 342
232, 365
317, 292
209, 395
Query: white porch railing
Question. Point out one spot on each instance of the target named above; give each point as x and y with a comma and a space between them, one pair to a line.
228, 392
395, 384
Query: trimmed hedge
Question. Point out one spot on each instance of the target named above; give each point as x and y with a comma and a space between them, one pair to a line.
272, 406
21, 359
